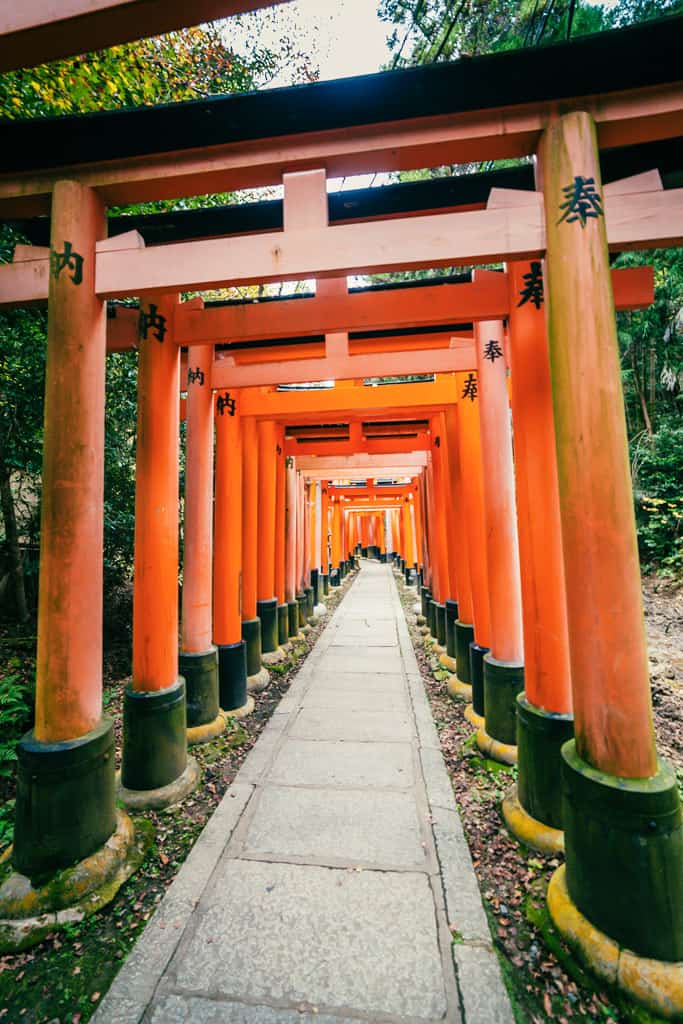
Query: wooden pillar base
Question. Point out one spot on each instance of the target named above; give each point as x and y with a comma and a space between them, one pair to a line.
65, 806
440, 623
527, 829
301, 602
624, 850
310, 603
232, 676
502, 682
464, 636
292, 619
477, 654
251, 634
282, 625
540, 736
155, 742
267, 613
325, 581
655, 984
200, 672
315, 585
425, 598
451, 619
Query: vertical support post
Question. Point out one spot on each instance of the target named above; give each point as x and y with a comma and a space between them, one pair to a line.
544, 719
227, 564
198, 661
503, 665
257, 675
476, 641
65, 781
266, 604
623, 829
324, 537
291, 523
154, 716
280, 542
459, 615
316, 539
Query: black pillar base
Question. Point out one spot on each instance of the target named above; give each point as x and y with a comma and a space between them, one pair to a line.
154, 737
425, 598
477, 676
232, 675
315, 585
624, 850
464, 636
301, 602
343, 568
440, 623
431, 616
251, 634
502, 682
200, 672
364, 552
335, 578
451, 619
282, 624
267, 613
292, 619
308, 591
65, 806
325, 583
540, 735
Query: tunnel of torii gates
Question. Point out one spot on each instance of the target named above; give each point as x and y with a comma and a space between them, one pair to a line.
527, 564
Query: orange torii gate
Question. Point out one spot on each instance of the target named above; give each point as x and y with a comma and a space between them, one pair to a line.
556, 240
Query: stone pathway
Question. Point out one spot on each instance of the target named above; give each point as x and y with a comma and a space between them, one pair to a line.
323, 887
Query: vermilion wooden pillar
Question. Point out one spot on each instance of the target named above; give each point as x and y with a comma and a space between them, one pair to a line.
544, 720
65, 786
291, 548
266, 604
336, 537
227, 563
280, 514
154, 742
477, 641
324, 537
257, 676
301, 518
460, 611
439, 532
198, 661
504, 664
316, 539
623, 831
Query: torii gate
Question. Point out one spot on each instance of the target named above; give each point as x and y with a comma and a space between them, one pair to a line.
561, 104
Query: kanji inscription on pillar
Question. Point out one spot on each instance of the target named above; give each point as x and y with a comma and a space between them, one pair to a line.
582, 200
492, 351
195, 376
470, 388
533, 286
225, 404
152, 321
68, 259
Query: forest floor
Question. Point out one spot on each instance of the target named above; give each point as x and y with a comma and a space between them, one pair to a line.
62, 980
545, 981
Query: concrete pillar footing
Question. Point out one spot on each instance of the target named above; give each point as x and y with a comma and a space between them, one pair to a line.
164, 796
506, 753
259, 681
242, 712
458, 690
543, 838
207, 732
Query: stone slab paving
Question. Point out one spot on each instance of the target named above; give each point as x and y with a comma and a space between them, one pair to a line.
324, 885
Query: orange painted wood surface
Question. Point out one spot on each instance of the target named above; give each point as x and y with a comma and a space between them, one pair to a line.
69, 658
227, 566
612, 707
250, 507
155, 580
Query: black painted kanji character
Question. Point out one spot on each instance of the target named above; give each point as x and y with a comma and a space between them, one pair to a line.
581, 201
152, 321
493, 350
470, 389
225, 403
533, 286
195, 375
69, 259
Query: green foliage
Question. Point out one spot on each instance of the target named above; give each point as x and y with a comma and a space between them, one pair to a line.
16, 709
658, 471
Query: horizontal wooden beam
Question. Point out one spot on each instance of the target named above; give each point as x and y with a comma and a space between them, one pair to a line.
623, 118
637, 221
342, 465
375, 446
390, 470
34, 32
400, 400
341, 366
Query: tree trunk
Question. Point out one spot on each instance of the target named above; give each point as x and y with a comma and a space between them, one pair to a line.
12, 540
